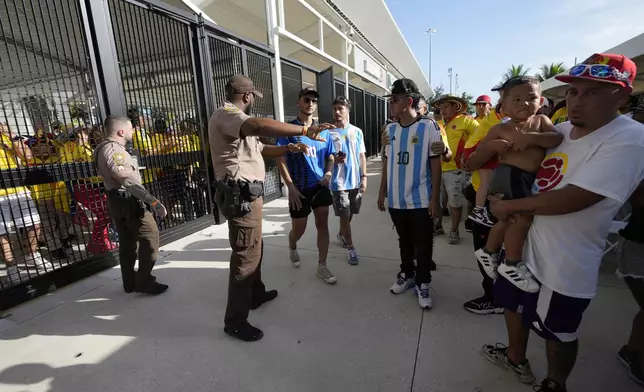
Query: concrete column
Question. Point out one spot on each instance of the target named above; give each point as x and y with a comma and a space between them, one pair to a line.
272, 12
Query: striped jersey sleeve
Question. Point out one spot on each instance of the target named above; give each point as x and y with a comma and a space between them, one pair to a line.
409, 177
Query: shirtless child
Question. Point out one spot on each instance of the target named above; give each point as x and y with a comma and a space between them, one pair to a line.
521, 145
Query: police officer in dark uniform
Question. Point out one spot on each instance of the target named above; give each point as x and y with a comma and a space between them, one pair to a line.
238, 162
131, 206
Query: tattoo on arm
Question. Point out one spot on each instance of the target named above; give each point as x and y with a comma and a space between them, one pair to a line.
138, 190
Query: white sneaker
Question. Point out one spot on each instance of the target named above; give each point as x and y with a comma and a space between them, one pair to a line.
520, 276
295, 257
402, 284
424, 297
36, 260
326, 275
490, 263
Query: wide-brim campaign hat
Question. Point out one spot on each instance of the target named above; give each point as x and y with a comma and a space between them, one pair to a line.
462, 103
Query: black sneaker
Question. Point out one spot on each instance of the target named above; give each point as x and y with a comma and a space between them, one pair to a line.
482, 306
549, 386
152, 288
625, 356
245, 332
266, 297
635, 368
468, 225
59, 254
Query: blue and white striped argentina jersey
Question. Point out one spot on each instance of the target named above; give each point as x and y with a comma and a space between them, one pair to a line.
409, 175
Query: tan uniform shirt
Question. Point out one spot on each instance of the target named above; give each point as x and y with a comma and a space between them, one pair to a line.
111, 159
241, 157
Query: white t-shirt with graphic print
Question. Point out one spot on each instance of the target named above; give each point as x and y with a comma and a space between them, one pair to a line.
564, 252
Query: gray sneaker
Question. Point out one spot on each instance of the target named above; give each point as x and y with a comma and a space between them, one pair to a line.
295, 257
424, 297
498, 355
402, 284
352, 256
326, 275
454, 237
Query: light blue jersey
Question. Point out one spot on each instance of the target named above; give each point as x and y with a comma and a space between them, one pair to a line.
409, 175
350, 140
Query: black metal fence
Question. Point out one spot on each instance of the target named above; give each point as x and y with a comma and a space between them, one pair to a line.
64, 66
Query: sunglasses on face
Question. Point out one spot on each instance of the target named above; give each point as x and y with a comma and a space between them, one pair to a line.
311, 100
600, 71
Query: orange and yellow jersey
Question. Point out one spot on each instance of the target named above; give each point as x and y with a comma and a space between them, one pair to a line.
560, 116
56, 191
8, 160
71, 152
458, 129
475, 139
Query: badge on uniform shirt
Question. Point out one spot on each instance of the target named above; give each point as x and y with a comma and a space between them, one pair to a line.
120, 168
118, 158
231, 109
414, 139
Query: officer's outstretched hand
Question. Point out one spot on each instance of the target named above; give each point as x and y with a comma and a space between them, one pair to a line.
313, 132
159, 209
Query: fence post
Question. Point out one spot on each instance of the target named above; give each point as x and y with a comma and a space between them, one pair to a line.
108, 73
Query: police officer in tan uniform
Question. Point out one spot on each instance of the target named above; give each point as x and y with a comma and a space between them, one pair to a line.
131, 206
238, 161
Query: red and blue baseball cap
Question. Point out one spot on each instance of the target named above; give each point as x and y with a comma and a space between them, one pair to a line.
603, 67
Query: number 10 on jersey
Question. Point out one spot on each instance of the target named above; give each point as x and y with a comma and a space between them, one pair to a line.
403, 158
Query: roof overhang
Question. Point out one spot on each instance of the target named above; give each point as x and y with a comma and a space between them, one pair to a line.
380, 28
633, 49
315, 33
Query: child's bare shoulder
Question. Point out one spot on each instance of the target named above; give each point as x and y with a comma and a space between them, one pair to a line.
542, 123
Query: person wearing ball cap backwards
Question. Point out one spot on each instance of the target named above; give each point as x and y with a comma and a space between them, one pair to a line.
576, 194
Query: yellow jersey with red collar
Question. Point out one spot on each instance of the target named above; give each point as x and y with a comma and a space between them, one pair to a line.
458, 130
475, 139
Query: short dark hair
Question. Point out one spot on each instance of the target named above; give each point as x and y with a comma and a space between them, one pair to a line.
342, 101
518, 81
113, 123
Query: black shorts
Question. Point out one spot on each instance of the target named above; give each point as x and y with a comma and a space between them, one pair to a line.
551, 315
315, 197
511, 182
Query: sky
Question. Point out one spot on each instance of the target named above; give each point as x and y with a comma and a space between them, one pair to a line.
480, 40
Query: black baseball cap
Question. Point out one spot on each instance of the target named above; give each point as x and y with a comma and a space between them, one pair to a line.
308, 91
403, 87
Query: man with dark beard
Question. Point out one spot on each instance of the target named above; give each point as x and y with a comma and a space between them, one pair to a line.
238, 162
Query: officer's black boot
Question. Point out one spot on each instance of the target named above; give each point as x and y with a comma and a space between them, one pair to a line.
245, 332
151, 286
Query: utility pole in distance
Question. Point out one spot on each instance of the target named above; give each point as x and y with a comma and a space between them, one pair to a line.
449, 73
430, 32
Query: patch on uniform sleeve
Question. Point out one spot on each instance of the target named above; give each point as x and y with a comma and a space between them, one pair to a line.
231, 108
120, 168
118, 159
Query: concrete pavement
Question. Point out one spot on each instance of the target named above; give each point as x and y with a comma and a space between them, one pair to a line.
354, 336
